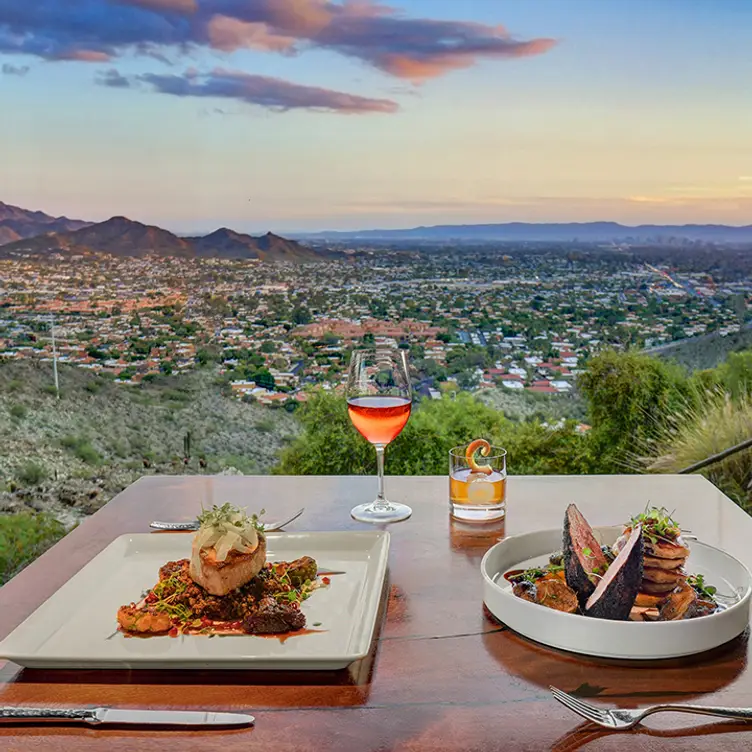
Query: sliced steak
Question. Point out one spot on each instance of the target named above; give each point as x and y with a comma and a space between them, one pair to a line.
615, 594
584, 561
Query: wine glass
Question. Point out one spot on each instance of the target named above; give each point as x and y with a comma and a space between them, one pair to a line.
379, 400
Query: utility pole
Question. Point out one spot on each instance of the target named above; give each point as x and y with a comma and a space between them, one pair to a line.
54, 355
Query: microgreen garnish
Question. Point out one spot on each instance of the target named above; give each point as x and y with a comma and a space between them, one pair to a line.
697, 581
230, 515
657, 524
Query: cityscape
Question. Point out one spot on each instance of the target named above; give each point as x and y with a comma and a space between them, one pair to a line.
496, 318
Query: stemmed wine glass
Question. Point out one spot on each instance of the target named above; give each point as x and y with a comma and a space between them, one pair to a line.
379, 400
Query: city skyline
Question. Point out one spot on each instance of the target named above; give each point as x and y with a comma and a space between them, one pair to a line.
309, 115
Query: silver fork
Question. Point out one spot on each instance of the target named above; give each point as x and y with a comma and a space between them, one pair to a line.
621, 720
269, 527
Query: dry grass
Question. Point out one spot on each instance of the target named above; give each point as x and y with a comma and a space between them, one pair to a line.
718, 424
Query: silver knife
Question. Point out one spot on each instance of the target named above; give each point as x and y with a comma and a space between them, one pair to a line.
104, 715
269, 527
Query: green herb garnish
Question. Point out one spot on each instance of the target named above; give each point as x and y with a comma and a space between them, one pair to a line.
657, 524
697, 581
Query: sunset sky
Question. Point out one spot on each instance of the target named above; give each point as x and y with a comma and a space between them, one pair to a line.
315, 114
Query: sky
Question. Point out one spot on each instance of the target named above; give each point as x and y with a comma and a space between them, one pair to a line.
294, 115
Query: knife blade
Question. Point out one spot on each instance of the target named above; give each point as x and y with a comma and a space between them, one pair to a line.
105, 715
171, 717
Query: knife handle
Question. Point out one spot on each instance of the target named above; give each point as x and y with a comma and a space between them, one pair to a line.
174, 525
87, 715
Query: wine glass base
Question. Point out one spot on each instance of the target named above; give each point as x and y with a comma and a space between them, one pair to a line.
394, 512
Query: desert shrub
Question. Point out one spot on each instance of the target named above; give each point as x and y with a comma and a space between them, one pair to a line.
81, 447
265, 425
18, 411
31, 473
50, 389
24, 537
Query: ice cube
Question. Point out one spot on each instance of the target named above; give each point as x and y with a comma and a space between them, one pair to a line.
479, 489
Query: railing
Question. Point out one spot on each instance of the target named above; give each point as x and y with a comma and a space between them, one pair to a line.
717, 457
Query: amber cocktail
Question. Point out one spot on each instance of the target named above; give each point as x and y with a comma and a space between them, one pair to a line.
477, 482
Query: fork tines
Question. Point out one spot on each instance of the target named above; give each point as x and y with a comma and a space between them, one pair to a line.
585, 709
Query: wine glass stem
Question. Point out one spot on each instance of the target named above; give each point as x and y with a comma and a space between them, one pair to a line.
380, 499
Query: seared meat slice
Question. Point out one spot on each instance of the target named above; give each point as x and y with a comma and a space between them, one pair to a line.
680, 604
273, 618
654, 574
615, 594
653, 562
659, 588
584, 561
662, 549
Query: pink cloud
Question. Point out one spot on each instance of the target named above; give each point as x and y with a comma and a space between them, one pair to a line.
181, 6
86, 56
229, 34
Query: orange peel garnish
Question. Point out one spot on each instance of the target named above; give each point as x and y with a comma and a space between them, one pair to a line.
485, 450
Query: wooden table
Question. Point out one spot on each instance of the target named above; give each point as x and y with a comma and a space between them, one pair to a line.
441, 675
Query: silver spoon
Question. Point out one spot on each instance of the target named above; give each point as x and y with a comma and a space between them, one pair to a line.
193, 524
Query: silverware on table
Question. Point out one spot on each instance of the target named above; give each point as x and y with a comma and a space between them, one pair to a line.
269, 527
104, 716
619, 719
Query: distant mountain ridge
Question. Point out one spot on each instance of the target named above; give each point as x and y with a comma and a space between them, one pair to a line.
565, 232
120, 236
17, 223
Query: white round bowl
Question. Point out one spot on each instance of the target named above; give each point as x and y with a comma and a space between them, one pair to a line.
615, 639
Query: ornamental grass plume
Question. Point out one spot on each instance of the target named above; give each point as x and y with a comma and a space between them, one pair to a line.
715, 424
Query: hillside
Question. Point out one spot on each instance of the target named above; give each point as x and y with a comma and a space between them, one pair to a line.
17, 223
226, 243
706, 350
120, 236
66, 457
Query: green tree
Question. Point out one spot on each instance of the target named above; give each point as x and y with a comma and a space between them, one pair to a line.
631, 398
263, 378
329, 445
301, 315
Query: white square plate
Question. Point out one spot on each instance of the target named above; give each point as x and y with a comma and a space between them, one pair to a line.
76, 627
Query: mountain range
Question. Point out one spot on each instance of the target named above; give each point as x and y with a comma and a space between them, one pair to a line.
554, 232
16, 224
29, 233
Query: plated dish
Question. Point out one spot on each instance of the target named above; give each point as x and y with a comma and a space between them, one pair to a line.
641, 577
77, 626
696, 598
226, 587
